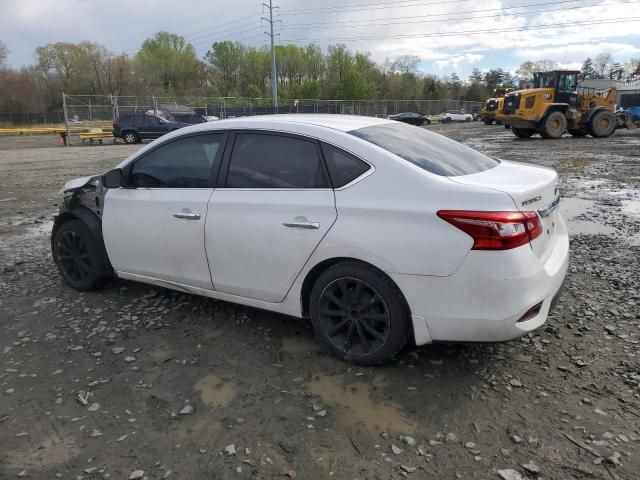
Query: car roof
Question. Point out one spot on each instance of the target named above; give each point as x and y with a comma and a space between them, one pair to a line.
342, 123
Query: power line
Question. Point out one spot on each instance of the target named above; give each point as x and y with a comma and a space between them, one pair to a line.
474, 32
368, 21
368, 6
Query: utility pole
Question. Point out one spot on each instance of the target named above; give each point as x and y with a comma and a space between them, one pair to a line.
274, 78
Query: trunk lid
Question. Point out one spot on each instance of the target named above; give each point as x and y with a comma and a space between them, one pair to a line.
533, 189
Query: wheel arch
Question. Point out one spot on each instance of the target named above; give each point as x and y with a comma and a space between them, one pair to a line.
91, 221
554, 107
315, 272
586, 117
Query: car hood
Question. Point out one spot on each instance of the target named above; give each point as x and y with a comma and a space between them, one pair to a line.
77, 183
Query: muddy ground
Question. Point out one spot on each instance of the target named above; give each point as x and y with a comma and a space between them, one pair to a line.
136, 380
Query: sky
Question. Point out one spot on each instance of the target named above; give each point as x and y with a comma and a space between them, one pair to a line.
447, 35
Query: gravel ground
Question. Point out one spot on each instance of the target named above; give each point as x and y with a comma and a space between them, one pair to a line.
137, 381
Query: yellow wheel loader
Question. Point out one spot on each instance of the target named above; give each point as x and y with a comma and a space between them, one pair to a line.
556, 105
493, 105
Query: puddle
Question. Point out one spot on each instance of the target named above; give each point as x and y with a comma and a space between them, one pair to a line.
355, 406
576, 211
631, 207
50, 453
214, 392
298, 345
162, 353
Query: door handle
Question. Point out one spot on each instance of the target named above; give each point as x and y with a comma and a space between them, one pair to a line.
307, 225
187, 215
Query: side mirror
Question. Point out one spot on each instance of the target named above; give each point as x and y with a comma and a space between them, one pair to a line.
112, 179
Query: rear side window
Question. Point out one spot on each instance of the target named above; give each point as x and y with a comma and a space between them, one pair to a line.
343, 167
429, 151
274, 161
185, 163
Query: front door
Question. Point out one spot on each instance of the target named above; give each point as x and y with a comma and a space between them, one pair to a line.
154, 227
567, 88
274, 207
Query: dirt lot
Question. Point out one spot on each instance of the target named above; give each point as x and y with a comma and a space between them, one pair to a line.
137, 378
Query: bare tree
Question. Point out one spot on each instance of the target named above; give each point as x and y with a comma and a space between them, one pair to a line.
601, 62
406, 64
4, 53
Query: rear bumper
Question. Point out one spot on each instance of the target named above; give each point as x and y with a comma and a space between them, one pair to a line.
486, 297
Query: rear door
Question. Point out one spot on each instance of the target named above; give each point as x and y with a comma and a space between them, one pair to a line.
272, 207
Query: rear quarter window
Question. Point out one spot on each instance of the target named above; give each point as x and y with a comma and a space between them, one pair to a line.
431, 152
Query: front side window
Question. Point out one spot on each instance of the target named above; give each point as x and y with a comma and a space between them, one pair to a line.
429, 151
273, 161
184, 163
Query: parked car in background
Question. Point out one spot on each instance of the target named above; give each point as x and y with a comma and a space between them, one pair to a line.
379, 232
456, 116
135, 127
411, 118
211, 118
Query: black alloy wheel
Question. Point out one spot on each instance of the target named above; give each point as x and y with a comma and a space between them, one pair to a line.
80, 256
73, 256
354, 316
359, 313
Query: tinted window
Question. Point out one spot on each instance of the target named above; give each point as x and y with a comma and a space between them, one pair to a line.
272, 161
343, 166
184, 163
429, 151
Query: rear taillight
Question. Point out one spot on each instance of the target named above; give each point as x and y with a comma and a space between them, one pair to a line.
495, 230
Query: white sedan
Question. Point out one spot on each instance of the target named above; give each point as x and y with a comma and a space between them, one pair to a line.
377, 231
456, 116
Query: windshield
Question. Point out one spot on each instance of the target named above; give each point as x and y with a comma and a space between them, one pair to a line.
431, 152
544, 80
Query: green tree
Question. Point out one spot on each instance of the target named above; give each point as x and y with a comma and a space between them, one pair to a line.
225, 60
168, 62
476, 76
587, 70
616, 71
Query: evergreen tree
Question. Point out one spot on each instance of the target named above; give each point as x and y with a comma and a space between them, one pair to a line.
587, 69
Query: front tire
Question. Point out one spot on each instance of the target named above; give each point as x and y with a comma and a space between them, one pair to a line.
359, 313
602, 124
80, 257
554, 125
523, 132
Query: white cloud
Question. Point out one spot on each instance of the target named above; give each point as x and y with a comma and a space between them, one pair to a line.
456, 61
569, 53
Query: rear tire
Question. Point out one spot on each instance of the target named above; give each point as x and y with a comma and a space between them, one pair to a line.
130, 137
467, 119
554, 125
359, 313
523, 132
80, 257
602, 124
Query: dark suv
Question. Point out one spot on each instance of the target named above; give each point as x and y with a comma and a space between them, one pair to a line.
134, 127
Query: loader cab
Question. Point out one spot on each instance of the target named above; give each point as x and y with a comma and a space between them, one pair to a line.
563, 82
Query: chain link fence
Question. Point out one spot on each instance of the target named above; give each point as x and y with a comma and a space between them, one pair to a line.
83, 113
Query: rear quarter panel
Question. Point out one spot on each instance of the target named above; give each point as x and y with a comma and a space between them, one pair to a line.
389, 217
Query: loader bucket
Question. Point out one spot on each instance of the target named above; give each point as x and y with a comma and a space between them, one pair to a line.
625, 120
